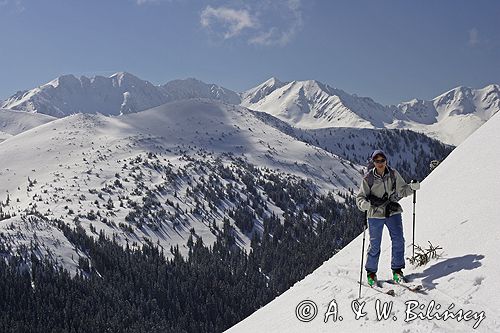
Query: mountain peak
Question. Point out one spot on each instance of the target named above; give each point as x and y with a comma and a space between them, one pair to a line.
317, 85
124, 79
67, 79
256, 94
313, 104
492, 88
122, 75
273, 81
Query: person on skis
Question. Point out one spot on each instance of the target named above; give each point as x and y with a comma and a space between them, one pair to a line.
379, 193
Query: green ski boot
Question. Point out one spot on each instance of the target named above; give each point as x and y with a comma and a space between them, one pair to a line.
398, 276
372, 278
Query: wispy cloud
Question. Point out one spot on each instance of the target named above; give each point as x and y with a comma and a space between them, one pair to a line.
473, 37
258, 22
231, 21
266, 22
15, 5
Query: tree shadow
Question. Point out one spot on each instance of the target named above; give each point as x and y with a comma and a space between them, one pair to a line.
445, 268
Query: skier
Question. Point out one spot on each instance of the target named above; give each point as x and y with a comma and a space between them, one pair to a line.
379, 193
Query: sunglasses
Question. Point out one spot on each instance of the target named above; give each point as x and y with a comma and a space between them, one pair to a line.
379, 161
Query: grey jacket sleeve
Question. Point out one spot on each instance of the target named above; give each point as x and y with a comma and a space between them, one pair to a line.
402, 188
363, 192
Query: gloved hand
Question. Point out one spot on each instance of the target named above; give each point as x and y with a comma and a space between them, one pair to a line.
366, 206
376, 201
415, 185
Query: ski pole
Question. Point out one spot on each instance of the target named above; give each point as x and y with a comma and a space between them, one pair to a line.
365, 224
414, 202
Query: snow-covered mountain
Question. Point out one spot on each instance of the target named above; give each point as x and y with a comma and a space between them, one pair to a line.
456, 214
121, 93
138, 176
450, 117
454, 115
312, 104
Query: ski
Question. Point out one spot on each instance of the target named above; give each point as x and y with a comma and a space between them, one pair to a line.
410, 286
379, 288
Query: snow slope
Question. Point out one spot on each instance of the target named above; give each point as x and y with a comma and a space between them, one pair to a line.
457, 208
73, 166
357, 144
15, 122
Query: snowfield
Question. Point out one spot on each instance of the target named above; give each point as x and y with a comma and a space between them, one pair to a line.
457, 209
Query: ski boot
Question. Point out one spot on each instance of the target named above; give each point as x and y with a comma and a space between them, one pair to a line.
398, 276
372, 278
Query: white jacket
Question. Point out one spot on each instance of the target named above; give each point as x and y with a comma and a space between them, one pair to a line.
381, 185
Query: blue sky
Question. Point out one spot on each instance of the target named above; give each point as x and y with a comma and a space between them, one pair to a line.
392, 51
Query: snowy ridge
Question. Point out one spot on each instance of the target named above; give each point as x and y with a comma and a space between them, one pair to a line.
357, 144
192, 88
121, 93
454, 115
15, 122
311, 104
256, 94
457, 209
450, 117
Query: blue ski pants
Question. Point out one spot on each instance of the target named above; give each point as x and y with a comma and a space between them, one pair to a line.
375, 226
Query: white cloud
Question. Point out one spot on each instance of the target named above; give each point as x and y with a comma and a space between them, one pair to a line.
267, 22
473, 37
16, 4
233, 21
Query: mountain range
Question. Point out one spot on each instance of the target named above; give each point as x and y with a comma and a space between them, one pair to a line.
450, 117
121, 93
